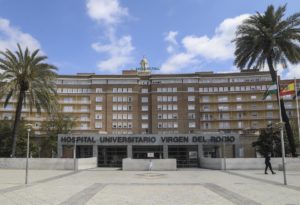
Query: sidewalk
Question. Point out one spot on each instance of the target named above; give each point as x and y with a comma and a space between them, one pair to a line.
107, 186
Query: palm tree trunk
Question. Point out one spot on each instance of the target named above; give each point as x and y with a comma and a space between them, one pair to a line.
17, 122
284, 116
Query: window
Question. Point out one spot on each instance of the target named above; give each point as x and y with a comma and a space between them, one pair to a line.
206, 108
253, 97
120, 116
239, 115
84, 117
144, 108
159, 125
254, 124
269, 97
174, 98
191, 98
175, 125
68, 100
175, 115
192, 124
144, 90
144, 125
190, 89
99, 90
240, 124
98, 125
222, 98
223, 107
83, 126
238, 98
85, 99
224, 125
98, 107
239, 107
288, 105
191, 116
224, 116
269, 114
269, 106
191, 107
68, 108
144, 99
205, 98
206, 125
254, 114
98, 116
159, 98
99, 99
129, 116
145, 117
115, 99
115, 107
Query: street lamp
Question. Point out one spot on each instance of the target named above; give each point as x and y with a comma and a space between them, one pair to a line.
29, 127
280, 125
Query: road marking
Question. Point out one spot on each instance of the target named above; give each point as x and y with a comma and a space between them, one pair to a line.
229, 195
85, 195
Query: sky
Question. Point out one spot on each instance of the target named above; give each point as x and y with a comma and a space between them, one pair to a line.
108, 36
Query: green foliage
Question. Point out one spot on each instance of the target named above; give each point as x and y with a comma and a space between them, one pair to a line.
57, 124
269, 38
29, 79
265, 35
269, 141
6, 140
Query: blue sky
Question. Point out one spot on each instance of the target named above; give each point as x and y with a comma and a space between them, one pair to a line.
107, 36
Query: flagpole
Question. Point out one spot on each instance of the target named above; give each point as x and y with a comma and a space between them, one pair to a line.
281, 134
297, 106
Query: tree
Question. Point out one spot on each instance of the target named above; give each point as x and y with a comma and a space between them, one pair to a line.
21, 148
269, 39
30, 80
58, 123
269, 142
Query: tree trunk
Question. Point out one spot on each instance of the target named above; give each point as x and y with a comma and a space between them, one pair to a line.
17, 122
284, 116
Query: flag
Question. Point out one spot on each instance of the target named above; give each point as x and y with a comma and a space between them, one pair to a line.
288, 90
271, 90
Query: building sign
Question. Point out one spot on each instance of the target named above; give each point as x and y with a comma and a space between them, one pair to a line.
147, 139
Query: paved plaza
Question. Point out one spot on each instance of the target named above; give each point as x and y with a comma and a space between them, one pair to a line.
113, 186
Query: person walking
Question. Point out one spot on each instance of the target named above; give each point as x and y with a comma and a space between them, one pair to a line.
268, 164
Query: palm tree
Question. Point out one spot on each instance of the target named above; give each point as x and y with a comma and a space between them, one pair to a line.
269, 38
27, 78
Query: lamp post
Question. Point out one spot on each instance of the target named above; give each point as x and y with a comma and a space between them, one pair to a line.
74, 154
224, 159
279, 125
28, 126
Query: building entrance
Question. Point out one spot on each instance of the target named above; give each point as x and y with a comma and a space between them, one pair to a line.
186, 156
147, 152
111, 156
84, 151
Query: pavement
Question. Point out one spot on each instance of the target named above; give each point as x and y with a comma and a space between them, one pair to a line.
116, 187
